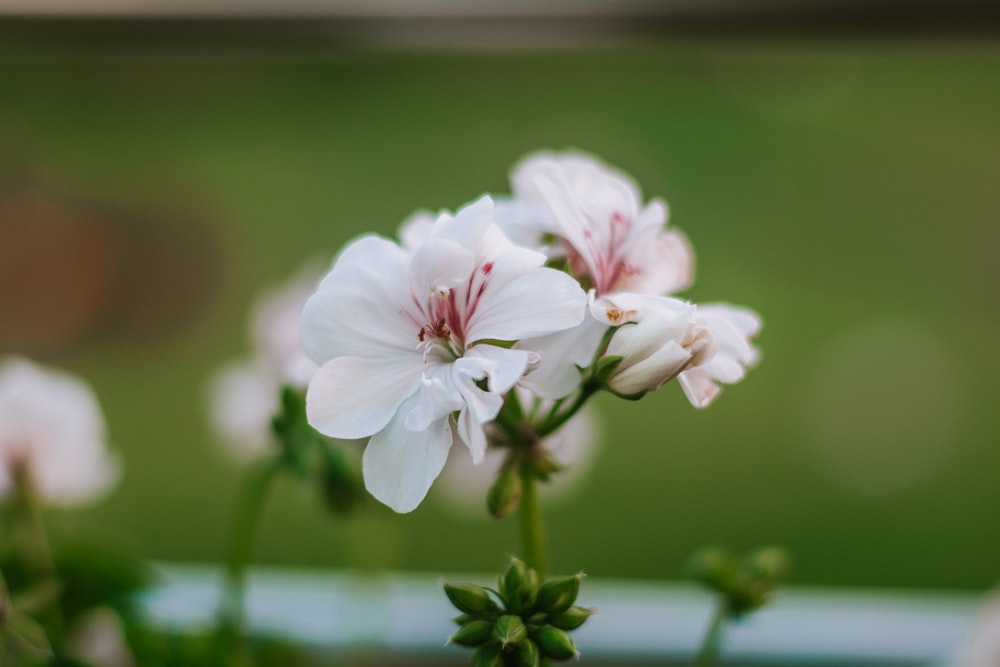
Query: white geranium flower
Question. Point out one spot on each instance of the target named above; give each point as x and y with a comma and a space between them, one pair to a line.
611, 238
243, 396
728, 330
660, 338
407, 339
52, 432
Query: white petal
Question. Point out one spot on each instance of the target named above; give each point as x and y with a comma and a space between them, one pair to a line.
562, 355
659, 367
351, 397
363, 307
539, 302
400, 465
438, 265
504, 367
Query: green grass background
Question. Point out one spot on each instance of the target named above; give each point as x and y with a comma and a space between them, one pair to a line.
845, 188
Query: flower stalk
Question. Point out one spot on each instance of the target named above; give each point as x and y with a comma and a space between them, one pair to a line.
531, 521
231, 611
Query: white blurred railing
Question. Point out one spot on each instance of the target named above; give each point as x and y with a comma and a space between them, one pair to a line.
407, 614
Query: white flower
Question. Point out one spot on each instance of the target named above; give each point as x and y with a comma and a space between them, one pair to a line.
406, 339
660, 338
729, 330
243, 396
609, 236
573, 447
52, 432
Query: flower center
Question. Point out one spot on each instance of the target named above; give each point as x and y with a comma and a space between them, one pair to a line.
447, 315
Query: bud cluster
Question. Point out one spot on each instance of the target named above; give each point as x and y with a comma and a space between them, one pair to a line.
522, 622
746, 582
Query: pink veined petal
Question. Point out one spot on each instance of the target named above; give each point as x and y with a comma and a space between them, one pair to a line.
400, 465
539, 302
350, 397
562, 355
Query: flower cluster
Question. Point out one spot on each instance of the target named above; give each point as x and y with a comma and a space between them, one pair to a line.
522, 622
561, 289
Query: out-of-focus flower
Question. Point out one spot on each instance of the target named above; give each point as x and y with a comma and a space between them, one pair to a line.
573, 448
98, 638
660, 338
52, 433
407, 338
243, 396
612, 240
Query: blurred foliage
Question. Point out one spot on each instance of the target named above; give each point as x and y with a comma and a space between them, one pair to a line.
845, 187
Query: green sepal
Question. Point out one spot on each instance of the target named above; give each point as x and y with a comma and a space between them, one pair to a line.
473, 633
488, 655
554, 643
605, 367
572, 618
470, 598
528, 654
505, 493
557, 595
509, 630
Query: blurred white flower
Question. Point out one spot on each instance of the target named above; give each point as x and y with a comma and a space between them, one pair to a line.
464, 485
611, 239
408, 338
52, 431
660, 338
98, 638
243, 396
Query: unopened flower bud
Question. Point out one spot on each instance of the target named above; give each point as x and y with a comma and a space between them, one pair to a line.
528, 654
557, 595
473, 633
713, 566
488, 655
769, 563
509, 630
554, 643
469, 598
572, 618
505, 493
518, 586
651, 351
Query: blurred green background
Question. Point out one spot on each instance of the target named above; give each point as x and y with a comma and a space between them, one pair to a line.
843, 185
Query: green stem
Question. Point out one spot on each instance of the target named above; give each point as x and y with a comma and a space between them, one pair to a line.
231, 610
531, 521
553, 422
710, 644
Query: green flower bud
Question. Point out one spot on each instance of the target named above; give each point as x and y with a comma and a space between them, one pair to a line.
518, 586
557, 595
770, 563
509, 630
572, 618
473, 633
469, 598
528, 654
505, 494
713, 566
488, 655
554, 643
463, 619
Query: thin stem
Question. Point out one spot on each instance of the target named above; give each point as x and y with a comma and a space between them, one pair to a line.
531, 521
553, 422
231, 610
710, 644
